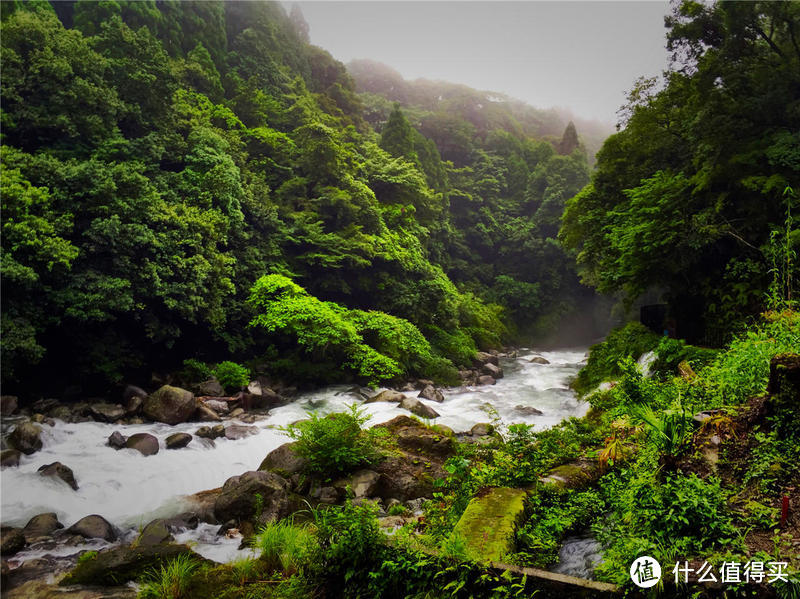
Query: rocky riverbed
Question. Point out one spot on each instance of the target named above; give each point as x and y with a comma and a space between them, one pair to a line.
184, 467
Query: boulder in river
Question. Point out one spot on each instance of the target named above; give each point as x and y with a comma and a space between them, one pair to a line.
218, 405
481, 429
12, 540
203, 413
8, 404
539, 360
116, 440
155, 533
492, 370
388, 395
284, 461
211, 387
94, 527
482, 358
171, 405
238, 499
9, 458
431, 393
59, 470
107, 412
26, 437
486, 380
178, 440
415, 406
42, 525
527, 410
117, 565
240, 431
144, 443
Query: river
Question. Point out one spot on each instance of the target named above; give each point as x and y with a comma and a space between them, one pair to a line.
129, 489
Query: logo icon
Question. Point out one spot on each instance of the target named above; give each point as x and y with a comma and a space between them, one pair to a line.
645, 572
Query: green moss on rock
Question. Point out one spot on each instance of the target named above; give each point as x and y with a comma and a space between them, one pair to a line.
489, 522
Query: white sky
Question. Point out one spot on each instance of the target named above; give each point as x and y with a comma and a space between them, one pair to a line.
581, 55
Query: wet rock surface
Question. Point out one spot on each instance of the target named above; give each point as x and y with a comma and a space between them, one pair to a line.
144, 443
60, 471
94, 527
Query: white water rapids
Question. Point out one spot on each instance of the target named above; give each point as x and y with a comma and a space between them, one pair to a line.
129, 489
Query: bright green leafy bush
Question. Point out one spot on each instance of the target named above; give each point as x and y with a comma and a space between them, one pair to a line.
232, 376
335, 443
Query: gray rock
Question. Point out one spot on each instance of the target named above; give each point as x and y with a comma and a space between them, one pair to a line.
481, 429
9, 458
8, 404
415, 406
62, 413
389, 395
116, 440
205, 414
284, 461
59, 470
107, 412
178, 440
133, 391
328, 495
486, 380
12, 540
236, 412
431, 393
363, 483
43, 525
240, 431
44, 405
94, 527
134, 405
118, 565
482, 358
219, 406
211, 387
144, 443
26, 438
538, 360
172, 405
492, 370
238, 501
155, 533
527, 410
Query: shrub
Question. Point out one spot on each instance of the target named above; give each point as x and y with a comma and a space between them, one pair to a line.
195, 370
335, 443
232, 376
630, 341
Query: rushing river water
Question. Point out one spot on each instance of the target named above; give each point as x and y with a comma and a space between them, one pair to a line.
130, 489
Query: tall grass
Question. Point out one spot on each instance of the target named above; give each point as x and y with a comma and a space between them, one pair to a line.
170, 581
283, 545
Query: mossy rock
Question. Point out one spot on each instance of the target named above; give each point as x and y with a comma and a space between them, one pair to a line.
122, 564
489, 522
573, 475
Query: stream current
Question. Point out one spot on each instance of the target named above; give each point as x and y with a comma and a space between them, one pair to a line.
129, 489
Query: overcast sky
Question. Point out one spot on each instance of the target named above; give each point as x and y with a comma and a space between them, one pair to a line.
579, 55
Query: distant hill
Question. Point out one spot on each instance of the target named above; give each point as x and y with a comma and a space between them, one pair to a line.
381, 86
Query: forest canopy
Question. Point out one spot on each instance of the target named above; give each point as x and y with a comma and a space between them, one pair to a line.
161, 158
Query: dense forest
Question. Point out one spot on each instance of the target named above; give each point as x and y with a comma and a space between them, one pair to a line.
160, 158
188, 185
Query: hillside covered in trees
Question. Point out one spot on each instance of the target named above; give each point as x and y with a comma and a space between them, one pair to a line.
160, 158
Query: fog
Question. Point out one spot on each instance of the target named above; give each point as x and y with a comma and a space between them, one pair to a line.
582, 56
